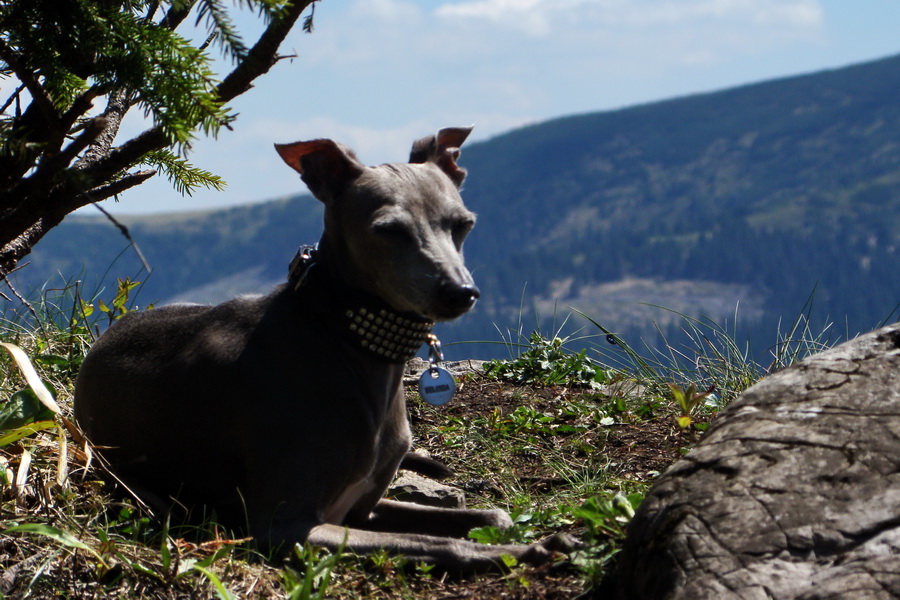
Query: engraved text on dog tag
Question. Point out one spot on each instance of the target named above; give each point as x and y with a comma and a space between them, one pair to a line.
436, 386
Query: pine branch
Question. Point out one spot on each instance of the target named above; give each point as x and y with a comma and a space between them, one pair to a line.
137, 52
111, 189
222, 27
15, 250
129, 153
183, 176
53, 164
80, 106
176, 14
263, 55
259, 60
117, 104
40, 97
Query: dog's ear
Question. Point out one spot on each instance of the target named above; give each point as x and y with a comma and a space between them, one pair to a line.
326, 167
442, 149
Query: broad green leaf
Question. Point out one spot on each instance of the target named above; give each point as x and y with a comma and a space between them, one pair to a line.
509, 560
485, 535
86, 309
22, 408
624, 505
52, 359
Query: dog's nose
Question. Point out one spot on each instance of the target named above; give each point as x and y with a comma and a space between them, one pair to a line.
459, 298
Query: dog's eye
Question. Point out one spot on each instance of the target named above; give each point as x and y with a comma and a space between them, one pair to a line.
462, 227
394, 229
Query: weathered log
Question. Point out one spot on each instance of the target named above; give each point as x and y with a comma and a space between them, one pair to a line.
793, 493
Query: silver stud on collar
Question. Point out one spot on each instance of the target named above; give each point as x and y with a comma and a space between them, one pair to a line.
388, 334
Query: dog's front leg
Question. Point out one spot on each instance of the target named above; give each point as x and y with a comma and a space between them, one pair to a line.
448, 553
409, 517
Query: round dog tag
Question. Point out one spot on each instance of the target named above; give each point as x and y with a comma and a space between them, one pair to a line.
436, 386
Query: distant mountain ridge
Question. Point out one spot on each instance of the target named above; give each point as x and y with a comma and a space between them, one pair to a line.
754, 195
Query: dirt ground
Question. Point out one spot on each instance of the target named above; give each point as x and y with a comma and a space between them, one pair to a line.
637, 449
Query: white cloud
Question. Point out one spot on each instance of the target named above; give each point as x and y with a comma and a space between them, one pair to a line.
790, 13
543, 17
387, 9
526, 15
372, 144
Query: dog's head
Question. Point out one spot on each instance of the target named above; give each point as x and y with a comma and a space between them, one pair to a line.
395, 230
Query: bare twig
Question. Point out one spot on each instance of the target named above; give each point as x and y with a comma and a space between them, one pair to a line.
127, 234
25, 303
80, 106
26, 76
12, 98
51, 165
105, 191
176, 15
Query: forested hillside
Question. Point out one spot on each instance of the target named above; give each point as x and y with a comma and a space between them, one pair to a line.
755, 195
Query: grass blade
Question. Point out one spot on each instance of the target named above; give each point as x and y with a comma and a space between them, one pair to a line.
221, 591
54, 533
14, 435
31, 376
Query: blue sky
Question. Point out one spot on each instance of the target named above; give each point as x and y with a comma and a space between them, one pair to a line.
376, 74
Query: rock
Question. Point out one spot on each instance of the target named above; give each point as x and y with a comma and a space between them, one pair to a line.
415, 366
794, 492
411, 487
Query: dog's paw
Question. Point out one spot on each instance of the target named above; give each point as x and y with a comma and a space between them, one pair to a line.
562, 543
495, 518
549, 548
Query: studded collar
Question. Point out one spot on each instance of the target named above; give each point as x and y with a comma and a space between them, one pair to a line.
366, 320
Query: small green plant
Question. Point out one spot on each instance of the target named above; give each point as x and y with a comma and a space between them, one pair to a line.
548, 362
687, 400
605, 519
519, 533
557, 449
313, 579
119, 306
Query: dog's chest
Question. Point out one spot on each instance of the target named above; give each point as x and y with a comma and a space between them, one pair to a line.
382, 437
337, 511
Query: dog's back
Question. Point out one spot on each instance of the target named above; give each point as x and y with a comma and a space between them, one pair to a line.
153, 394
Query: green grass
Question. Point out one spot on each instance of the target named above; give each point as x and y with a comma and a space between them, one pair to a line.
557, 437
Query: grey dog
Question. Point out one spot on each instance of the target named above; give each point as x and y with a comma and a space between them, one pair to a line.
285, 413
